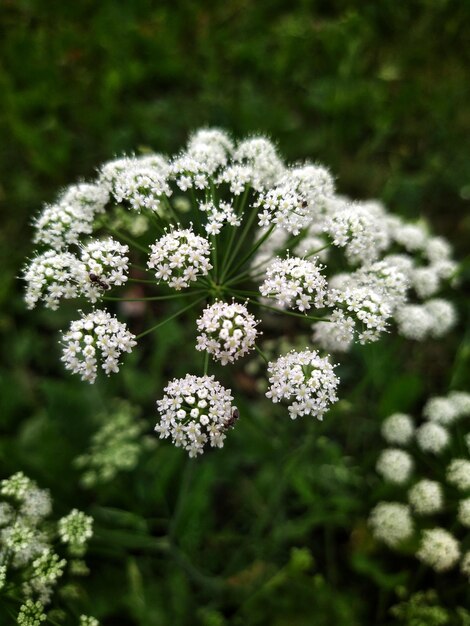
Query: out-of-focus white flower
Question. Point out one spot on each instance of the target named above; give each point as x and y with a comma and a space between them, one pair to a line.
426, 497
442, 314
395, 465
438, 549
464, 512
432, 437
441, 410
51, 276
458, 474
391, 523
461, 402
414, 321
75, 530
398, 429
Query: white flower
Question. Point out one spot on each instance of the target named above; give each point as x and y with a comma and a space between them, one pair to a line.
31, 614
94, 337
88, 620
195, 411
432, 437
17, 486
440, 410
259, 154
227, 331
36, 504
73, 215
384, 278
179, 257
461, 402
395, 465
464, 512
295, 283
369, 308
299, 197
219, 215
336, 334
51, 276
103, 264
437, 249
307, 379
426, 497
465, 564
438, 549
391, 523
360, 231
414, 321
442, 314
139, 182
458, 474
411, 236
398, 428
425, 281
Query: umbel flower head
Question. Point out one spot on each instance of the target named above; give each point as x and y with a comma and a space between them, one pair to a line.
227, 331
436, 486
195, 411
225, 225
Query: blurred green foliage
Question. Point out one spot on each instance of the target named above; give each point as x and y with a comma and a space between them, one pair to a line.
271, 529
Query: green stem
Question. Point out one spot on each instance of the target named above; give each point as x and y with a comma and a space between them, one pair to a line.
252, 251
129, 240
233, 233
262, 355
177, 314
152, 298
316, 251
302, 316
206, 363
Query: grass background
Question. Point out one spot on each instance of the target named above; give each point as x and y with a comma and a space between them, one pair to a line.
270, 530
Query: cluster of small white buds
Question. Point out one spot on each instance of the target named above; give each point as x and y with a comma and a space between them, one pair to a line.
75, 530
195, 411
219, 215
391, 522
336, 334
51, 276
95, 336
73, 215
426, 497
295, 283
438, 549
179, 257
103, 264
88, 620
260, 156
434, 318
227, 331
442, 410
395, 465
304, 379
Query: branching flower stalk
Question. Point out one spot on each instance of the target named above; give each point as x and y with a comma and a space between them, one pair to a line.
234, 232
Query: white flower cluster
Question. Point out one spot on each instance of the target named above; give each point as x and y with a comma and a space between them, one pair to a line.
140, 182
227, 331
75, 530
299, 197
103, 264
430, 494
73, 215
26, 537
306, 380
295, 283
179, 257
219, 215
195, 411
51, 276
94, 337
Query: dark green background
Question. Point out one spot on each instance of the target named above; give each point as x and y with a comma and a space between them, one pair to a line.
377, 91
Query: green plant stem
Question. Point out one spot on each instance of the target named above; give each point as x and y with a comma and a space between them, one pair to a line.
206, 363
262, 355
177, 314
240, 209
129, 240
247, 256
283, 312
152, 298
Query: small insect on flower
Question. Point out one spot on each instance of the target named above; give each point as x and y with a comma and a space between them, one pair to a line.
230, 422
94, 278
